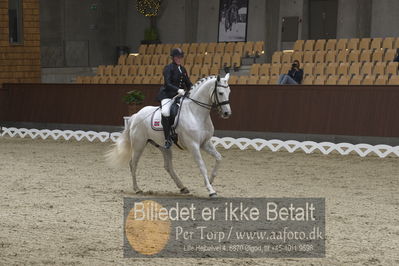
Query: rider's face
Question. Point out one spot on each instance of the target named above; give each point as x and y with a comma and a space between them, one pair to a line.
178, 60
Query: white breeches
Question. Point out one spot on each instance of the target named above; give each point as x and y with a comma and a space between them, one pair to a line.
166, 104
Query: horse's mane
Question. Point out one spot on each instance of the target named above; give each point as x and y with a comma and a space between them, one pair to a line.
200, 82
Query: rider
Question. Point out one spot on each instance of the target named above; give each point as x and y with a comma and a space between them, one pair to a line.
176, 81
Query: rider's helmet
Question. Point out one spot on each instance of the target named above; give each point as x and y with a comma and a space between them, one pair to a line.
176, 52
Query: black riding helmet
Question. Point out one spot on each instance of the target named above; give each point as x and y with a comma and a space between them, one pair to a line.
176, 52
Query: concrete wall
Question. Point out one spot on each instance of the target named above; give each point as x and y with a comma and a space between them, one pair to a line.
354, 18
384, 18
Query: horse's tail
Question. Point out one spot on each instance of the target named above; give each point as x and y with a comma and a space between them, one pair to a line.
121, 152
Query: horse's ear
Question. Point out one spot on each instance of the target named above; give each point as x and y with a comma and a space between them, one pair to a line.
218, 78
227, 77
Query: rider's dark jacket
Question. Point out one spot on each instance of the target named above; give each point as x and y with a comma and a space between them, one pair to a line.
175, 79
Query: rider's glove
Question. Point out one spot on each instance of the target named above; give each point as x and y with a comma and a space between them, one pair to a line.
181, 92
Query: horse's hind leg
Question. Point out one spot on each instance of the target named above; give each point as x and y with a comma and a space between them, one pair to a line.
210, 149
138, 149
167, 157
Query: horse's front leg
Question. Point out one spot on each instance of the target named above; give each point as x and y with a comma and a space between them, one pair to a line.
168, 164
210, 149
201, 164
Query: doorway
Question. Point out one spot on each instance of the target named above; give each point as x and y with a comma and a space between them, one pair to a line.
323, 19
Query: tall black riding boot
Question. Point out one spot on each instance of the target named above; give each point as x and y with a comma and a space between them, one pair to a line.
166, 130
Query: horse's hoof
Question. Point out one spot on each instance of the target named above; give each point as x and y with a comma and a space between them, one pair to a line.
184, 191
213, 195
139, 191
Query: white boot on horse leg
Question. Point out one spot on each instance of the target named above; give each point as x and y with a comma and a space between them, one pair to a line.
211, 150
168, 164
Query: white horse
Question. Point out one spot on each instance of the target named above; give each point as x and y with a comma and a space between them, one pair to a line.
194, 129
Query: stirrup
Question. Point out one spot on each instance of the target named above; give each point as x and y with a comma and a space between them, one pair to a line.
168, 144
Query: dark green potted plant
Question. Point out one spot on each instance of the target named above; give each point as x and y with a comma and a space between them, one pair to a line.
134, 100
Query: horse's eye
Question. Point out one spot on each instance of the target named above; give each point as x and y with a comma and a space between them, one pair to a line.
220, 93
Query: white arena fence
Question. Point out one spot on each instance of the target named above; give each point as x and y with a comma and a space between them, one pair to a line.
274, 145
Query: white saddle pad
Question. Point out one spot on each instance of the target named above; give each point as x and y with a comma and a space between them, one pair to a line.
156, 120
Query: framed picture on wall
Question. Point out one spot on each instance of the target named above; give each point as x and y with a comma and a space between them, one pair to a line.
233, 17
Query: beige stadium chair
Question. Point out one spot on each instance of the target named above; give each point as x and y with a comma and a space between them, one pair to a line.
354, 69
158, 71
100, 70
233, 80
376, 43
193, 48
220, 48
138, 80
264, 70
130, 59
120, 80
308, 57
331, 56
146, 60
95, 80
195, 71
226, 60
368, 80
154, 80
150, 49
253, 80
298, 45
204, 71
159, 49
141, 71
308, 80
164, 60
79, 80
254, 70
364, 44
211, 48
87, 79
239, 48
122, 59
189, 59
353, 44
379, 68
396, 43
320, 45
331, 69
394, 80
155, 60
242, 80
199, 59
108, 70
116, 70
390, 55
129, 80
320, 57
309, 45
214, 71
343, 80
276, 57
150, 70
378, 55
236, 61
367, 69
202, 47
143, 48
273, 80
166, 49
387, 43
259, 48
332, 80
125, 71
331, 44
248, 49
286, 58
133, 70
308, 68
275, 69
185, 47
229, 48
146, 80
341, 44
138, 60
217, 60
356, 80
297, 55
319, 69
343, 69
392, 68
353, 56
103, 80
365, 56
342, 56
381, 80
207, 60
263, 80
285, 68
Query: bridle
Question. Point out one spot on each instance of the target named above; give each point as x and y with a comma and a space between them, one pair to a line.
216, 103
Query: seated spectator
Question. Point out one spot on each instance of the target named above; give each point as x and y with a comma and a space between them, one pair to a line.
294, 76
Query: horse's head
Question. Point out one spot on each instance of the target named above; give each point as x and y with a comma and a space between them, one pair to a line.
221, 96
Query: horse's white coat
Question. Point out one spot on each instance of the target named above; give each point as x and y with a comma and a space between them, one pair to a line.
195, 130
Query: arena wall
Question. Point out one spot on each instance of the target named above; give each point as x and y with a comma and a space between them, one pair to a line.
20, 62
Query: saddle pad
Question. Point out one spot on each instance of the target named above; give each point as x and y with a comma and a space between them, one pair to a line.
156, 121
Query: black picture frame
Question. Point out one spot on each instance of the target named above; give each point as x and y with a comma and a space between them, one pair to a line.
233, 21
